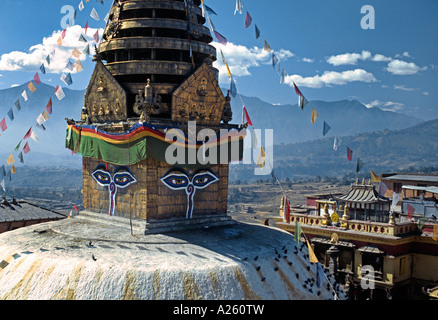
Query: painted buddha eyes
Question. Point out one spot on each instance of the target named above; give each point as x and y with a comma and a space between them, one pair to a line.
123, 179
175, 181
203, 179
122, 176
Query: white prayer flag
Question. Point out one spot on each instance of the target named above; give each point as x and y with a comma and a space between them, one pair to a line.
81, 6
35, 137
59, 93
24, 95
3, 185
94, 15
239, 7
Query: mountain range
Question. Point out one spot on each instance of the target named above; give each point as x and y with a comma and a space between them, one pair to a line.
299, 145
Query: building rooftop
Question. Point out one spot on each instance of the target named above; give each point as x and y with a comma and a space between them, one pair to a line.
12, 211
413, 177
363, 194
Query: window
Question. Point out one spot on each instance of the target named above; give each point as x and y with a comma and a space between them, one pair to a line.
397, 187
402, 265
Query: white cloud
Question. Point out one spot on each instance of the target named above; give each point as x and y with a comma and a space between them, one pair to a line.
381, 58
386, 106
241, 59
399, 67
403, 88
425, 93
308, 60
36, 55
329, 78
348, 58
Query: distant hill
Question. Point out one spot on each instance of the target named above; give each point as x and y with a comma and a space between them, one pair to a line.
383, 151
346, 117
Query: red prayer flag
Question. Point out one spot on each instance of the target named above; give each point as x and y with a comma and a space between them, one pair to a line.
26, 148
36, 78
76, 208
248, 20
49, 106
247, 116
349, 154
28, 134
411, 210
63, 33
297, 91
86, 27
220, 38
286, 211
3, 125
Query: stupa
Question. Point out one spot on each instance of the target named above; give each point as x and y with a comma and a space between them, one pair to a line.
154, 228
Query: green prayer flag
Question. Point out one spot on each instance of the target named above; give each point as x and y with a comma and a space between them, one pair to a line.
18, 146
297, 234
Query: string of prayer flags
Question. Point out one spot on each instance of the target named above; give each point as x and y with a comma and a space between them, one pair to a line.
248, 120
24, 95
325, 129
59, 93
359, 165
220, 38
49, 106
36, 78
3, 125
239, 7
11, 114
94, 15
314, 116
26, 148
349, 154
10, 160
257, 32
31, 87
374, 177
262, 158
248, 20
267, 47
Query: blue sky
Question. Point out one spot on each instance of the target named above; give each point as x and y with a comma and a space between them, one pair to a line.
320, 43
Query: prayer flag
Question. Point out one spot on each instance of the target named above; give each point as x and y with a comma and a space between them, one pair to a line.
2, 170
13, 171
254, 139
297, 233
382, 188
239, 7
314, 116
337, 143
248, 120
48, 60
35, 137
220, 38
325, 129
10, 159
31, 87
70, 65
374, 177
319, 273
11, 114
82, 38
3, 125
359, 165
226, 64
209, 10
10, 175
66, 78
395, 199
87, 50
18, 146
302, 101
435, 232
26, 148
312, 256
257, 32
283, 76
81, 6
96, 36
18, 104
211, 25
76, 53
43, 69
286, 211
94, 15
64, 32
27, 135
43, 117
36, 78
248, 20
233, 88
49, 106
20, 156
411, 210
59, 42
262, 158
274, 60
86, 27
2, 183
349, 154
41, 126
59, 93
24, 95
267, 47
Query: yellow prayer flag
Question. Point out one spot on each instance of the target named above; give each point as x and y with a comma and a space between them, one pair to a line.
374, 177
314, 116
435, 232
11, 159
31, 87
13, 170
59, 41
262, 158
78, 66
76, 53
312, 256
